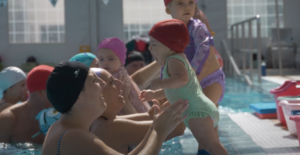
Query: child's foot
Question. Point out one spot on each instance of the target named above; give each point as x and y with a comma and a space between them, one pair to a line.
202, 152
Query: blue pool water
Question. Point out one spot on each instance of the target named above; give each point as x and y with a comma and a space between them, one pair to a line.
237, 98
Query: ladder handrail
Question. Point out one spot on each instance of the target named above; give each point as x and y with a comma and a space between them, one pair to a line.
233, 63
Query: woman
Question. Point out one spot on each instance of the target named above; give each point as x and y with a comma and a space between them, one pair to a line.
125, 131
74, 90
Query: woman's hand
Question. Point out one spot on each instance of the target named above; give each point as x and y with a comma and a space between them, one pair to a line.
164, 122
126, 84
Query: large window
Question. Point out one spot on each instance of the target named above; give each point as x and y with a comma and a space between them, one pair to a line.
36, 21
239, 10
141, 15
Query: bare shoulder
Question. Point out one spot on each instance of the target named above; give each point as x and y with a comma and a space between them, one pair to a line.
7, 116
5, 106
7, 123
175, 62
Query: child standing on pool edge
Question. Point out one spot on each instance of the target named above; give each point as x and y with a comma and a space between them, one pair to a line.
179, 81
200, 51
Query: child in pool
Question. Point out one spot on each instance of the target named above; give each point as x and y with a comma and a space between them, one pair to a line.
179, 81
112, 55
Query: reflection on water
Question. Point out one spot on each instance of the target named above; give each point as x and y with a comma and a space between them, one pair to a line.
238, 96
20, 149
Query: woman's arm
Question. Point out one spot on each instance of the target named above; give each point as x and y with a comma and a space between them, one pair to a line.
139, 116
146, 74
132, 132
128, 107
147, 115
87, 143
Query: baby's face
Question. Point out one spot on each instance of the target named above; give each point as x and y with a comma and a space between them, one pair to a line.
108, 60
159, 51
182, 10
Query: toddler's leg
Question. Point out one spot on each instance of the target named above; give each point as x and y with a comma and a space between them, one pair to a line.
204, 132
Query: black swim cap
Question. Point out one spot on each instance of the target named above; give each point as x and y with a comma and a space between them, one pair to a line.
134, 56
65, 84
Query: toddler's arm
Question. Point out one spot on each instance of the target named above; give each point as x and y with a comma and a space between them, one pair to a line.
178, 76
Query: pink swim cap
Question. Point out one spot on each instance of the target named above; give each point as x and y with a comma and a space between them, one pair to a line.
116, 45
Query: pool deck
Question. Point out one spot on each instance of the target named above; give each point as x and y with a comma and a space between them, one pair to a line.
268, 134
280, 79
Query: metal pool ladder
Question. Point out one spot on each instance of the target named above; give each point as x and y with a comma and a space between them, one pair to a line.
232, 65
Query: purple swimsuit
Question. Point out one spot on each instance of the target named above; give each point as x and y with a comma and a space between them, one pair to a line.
197, 53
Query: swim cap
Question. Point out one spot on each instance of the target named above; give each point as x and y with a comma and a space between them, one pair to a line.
85, 58
9, 77
116, 45
37, 78
97, 71
172, 33
167, 2
65, 84
134, 56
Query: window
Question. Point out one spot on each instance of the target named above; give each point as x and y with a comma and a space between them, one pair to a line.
36, 21
141, 15
239, 10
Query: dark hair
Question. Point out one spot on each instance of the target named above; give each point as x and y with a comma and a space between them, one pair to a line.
134, 56
4, 92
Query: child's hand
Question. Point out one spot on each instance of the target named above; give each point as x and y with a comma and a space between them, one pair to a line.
147, 95
156, 84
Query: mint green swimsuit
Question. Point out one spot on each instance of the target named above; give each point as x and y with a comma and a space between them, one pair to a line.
199, 105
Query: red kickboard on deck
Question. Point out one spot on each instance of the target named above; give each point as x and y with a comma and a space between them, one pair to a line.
266, 116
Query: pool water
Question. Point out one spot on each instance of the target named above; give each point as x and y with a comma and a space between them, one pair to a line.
20, 149
238, 96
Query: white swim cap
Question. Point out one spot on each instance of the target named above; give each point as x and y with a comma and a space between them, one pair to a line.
9, 77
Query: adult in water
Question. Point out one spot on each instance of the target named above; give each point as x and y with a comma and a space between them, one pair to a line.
121, 132
12, 87
18, 123
74, 90
88, 59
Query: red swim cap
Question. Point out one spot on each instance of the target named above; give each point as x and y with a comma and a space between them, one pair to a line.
37, 78
172, 33
167, 2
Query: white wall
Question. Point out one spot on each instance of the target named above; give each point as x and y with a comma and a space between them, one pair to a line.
82, 28
111, 19
291, 18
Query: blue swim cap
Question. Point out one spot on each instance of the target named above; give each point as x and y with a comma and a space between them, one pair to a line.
85, 58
